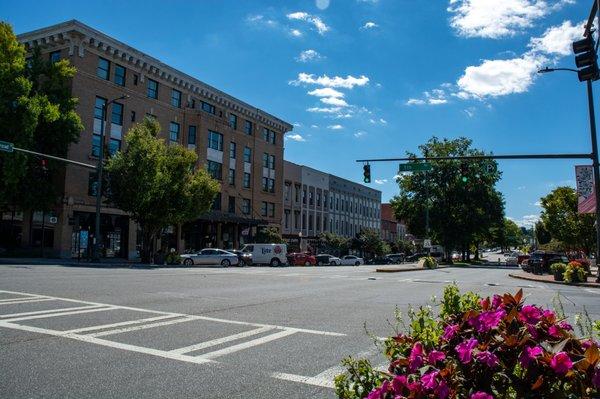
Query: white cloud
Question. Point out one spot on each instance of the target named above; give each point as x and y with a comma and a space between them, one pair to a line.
415, 101
360, 133
319, 25
295, 33
329, 110
376, 121
335, 127
435, 97
295, 137
381, 181
314, 126
261, 21
336, 81
297, 124
335, 101
326, 92
525, 221
308, 56
495, 19
470, 112
382, 121
557, 40
369, 25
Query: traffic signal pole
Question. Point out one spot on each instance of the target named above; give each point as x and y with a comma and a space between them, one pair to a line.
596, 167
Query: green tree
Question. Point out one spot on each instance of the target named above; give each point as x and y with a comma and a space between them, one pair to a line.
560, 218
506, 235
463, 201
541, 233
403, 246
333, 243
370, 242
157, 184
268, 235
37, 113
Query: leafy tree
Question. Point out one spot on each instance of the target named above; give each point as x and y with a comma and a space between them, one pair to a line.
370, 242
463, 201
559, 216
507, 234
333, 243
157, 184
268, 235
403, 246
37, 113
541, 234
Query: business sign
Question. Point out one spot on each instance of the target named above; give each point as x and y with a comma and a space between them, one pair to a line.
586, 195
83, 239
6, 146
426, 243
414, 167
246, 231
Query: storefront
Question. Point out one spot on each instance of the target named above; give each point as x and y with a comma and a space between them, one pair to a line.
219, 230
114, 230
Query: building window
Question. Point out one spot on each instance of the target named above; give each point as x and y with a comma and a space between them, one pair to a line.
193, 104
296, 219
271, 208
92, 183
55, 56
265, 160
215, 140
271, 161
176, 98
246, 206
233, 121
98, 116
174, 132
265, 134
272, 137
286, 192
310, 222
246, 180
216, 205
208, 108
215, 170
287, 218
318, 199
297, 194
232, 150
114, 145
133, 116
117, 114
120, 75
192, 134
311, 200
247, 154
103, 68
231, 205
231, 177
304, 196
248, 127
152, 89
135, 79
265, 184
263, 209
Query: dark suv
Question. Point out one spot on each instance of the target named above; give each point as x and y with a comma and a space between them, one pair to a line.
540, 261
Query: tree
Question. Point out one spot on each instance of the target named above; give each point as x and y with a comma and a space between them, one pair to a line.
403, 246
268, 235
370, 242
463, 201
333, 243
541, 234
508, 234
157, 184
37, 112
560, 218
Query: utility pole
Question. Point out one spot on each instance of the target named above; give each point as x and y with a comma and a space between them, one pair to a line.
596, 167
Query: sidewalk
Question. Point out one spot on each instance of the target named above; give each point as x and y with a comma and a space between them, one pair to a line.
549, 278
404, 267
105, 263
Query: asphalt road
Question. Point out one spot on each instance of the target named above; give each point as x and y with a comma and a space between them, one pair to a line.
212, 333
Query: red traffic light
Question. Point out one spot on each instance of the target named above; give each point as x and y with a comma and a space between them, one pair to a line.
583, 45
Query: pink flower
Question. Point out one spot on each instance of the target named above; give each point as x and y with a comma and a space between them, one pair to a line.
435, 356
565, 326
496, 301
549, 314
380, 393
554, 331
530, 314
399, 383
481, 395
596, 378
533, 331
487, 358
485, 321
442, 391
529, 354
586, 343
415, 359
450, 331
465, 349
561, 363
429, 380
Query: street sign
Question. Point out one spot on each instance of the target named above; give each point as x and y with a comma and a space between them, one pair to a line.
414, 167
6, 146
586, 195
426, 243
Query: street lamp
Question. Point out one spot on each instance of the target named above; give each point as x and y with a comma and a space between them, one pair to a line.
595, 164
99, 168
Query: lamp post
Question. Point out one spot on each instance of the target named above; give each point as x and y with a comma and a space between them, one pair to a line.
594, 155
99, 168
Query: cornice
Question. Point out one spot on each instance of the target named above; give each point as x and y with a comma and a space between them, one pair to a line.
78, 35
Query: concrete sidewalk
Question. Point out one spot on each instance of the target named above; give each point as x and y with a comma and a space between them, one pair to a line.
549, 278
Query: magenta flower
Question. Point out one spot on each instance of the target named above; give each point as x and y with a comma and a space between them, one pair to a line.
487, 358
561, 363
496, 301
380, 393
399, 383
596, 378
429, 380
465, 350
565, 326
481, 395
415, 359
450, 331
533, 331
586, 343
529, 354
485, 321
548, 314
442, 391
435, 356
530, 314
554, 331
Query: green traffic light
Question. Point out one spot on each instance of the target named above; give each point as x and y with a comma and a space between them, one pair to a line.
464, 179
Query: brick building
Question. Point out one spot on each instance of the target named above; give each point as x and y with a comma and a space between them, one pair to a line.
391, 229
239, 144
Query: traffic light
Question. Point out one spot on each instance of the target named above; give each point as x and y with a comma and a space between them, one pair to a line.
367, 173
44, 167
464, 172
586, 58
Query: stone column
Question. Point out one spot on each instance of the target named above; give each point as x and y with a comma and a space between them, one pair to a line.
236, 236
219, 235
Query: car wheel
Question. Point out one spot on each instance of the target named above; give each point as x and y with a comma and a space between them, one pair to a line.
275, 262
307, 263
188, 262
332, 263
357, 263
225, 263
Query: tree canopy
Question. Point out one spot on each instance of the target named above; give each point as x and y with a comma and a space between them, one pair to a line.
268, 235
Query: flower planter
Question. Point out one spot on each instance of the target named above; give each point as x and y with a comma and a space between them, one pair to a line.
558, 277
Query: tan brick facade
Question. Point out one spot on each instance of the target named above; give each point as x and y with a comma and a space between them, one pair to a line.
84, 47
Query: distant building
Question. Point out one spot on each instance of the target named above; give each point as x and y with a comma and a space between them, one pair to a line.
391, 229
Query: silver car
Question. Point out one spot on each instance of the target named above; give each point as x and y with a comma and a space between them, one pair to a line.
210, 256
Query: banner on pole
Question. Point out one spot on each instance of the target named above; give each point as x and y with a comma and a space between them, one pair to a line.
586, 195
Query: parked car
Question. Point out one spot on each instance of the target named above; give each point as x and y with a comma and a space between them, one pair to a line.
267, 254
456, 256
326, 259
379, 260
512, 258
301, 259
540, 261
210, 256
351, 260
245, 258
415, 257
395, 258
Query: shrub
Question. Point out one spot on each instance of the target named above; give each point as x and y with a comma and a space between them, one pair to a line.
429, 262
495, 347
558, 269
173, 258
575, 273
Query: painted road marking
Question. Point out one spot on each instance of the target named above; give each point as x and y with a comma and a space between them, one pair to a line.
23, 298
47, 315
143, 327
123, 323
219, 341
246, 345
47, 311
29, 300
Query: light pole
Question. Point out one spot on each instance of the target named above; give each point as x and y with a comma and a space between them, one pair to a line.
100, 167
594, 155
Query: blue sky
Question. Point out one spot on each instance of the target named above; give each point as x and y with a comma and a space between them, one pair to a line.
374, 78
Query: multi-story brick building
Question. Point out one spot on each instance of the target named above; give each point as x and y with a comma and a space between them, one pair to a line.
239, 144
391, 228
315, 202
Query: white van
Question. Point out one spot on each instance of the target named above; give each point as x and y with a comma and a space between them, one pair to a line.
267, 254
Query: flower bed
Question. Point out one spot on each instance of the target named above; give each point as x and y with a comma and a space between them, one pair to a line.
575, 273
477, 348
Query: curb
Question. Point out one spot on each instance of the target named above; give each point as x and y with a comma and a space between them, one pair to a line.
589, 285
414, 269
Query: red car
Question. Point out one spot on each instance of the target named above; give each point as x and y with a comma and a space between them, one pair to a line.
301, 259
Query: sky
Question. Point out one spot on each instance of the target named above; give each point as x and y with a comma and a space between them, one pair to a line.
363, 79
